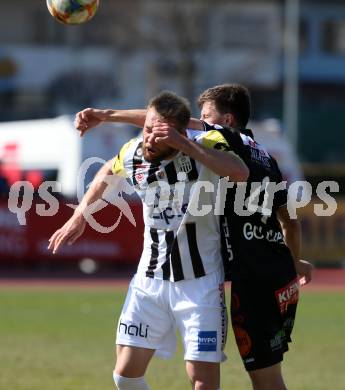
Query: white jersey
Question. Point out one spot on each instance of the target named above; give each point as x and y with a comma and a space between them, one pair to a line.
180, 242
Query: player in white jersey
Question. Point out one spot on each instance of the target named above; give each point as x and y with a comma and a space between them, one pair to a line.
180, 243
179, 281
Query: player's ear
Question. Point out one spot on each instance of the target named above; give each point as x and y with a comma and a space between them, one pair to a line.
229, 120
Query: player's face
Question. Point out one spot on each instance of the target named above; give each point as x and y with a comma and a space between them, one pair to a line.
210, 115
153, 151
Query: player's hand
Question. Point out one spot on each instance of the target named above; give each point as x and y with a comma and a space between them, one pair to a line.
165, 133
305, 271
69, 232
88, 119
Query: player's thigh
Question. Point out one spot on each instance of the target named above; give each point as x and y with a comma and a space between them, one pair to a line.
145, 322
204, 375
200, 313
269, 378
144, 327
132, 362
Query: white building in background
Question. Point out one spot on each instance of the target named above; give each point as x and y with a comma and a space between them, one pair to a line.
53, 149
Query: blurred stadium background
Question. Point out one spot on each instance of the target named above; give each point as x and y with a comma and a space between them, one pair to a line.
291, 54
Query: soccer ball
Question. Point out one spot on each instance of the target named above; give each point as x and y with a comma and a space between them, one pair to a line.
72, 11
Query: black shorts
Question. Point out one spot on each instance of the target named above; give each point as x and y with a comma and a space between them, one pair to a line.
262, 317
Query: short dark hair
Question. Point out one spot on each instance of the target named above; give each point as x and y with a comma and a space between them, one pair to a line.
172, 107
229, 98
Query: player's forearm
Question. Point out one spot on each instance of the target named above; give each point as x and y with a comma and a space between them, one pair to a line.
137, 117
292, 237
220, 162
134, 117
94, 193
195, 124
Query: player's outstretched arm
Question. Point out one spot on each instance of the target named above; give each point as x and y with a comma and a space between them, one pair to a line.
223, 163
90, 203
292, 236
91, 117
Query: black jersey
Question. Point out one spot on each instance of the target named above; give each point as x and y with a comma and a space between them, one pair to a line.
253, 245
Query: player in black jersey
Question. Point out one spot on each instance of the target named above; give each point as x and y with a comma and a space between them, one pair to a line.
261, 249
261, 252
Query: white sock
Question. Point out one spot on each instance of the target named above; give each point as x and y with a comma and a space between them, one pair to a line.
124, 383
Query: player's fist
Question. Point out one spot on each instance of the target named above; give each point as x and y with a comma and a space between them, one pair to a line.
88, 119
305, 271
163, 132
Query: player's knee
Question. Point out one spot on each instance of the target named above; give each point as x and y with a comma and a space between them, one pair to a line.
268, 386
124, 383
203, 375
269, 378
275, 383
202, 385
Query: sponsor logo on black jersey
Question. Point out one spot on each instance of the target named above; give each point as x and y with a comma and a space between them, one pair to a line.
287, 295
276, 342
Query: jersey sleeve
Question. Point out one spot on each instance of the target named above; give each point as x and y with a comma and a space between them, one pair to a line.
118, 166
214, 139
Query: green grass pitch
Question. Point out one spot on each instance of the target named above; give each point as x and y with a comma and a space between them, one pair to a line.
63, 339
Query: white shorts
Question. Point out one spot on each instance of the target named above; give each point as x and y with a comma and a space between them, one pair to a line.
154, 309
